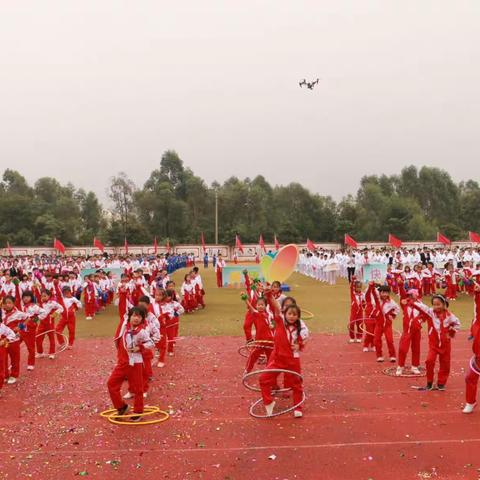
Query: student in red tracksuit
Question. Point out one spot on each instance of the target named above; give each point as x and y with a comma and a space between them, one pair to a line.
451, 278
13, 319
442, 327
131, 341
70, 305
7, 336
219, 270
89, 298
369, 322
357, 311
472, 376
412, 331
152, 326
47, 323
263, 333
429, 279
290, 336
386, 311
189, 301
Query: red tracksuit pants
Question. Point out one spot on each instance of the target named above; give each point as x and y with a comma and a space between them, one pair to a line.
410, 339
28, 338
382, 329
471, 381
444, 354
219, 279
68, 321
13, 353
451, 291
354, 328
90, 309
162, 344
45, 326
134, 375
268, 380
255, 354
147, 356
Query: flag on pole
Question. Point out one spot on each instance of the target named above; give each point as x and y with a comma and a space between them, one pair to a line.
277, 245
474, 237
394, 241
9, 249
98, 244
126, 246
58, 245
238, 243
310, 245
443, 239
261, 243
204, 247
155, 246
350, 241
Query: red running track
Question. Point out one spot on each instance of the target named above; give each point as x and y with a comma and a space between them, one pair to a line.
358, 424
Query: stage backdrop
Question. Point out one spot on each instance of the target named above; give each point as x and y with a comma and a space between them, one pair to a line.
233, 276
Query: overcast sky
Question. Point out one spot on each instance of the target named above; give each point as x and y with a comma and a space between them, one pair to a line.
90, 88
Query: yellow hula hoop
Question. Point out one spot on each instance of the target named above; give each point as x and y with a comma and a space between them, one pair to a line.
112, 416
148, 410
165, 417
306, 315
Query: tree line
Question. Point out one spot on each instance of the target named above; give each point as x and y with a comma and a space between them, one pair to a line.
177, 205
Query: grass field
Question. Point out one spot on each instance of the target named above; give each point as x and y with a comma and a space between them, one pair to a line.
225, 311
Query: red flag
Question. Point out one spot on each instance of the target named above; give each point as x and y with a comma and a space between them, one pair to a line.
443, 239
204, 247
58, 245
98, 244
350, 241
310, 245
262, 243
277, 245
126, 246
168, 246
155, 246
9, 249
474, 237
238, 243
394, 241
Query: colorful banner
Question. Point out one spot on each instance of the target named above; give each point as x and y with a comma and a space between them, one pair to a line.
232, 275
375, 272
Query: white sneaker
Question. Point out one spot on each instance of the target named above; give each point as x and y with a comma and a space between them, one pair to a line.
128, 395
366, 350
145, 394
416, 371
380, 359
469, 408
88, 318
269, 409
351, 340
30, 367
399, 371
297, 413
40, 355
51, 356
170, 354
393, 359
11, 380
358, 340
160, 364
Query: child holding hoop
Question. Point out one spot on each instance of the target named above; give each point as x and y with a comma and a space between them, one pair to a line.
7, 335
357, 311
473, 374
290, 337
442, 327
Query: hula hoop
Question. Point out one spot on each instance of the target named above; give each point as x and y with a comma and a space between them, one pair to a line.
176, 339
243, 350
277, 414
172, 325
112, 417
65, 339
473, 366
265, 370
309, 314
407, 372
396, 333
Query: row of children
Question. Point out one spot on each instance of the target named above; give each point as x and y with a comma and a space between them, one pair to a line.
279, 336
372, 314
149, 323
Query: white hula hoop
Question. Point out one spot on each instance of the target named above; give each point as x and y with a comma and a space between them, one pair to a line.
473, 366
396, 333
276, 414
244, 349
65, 339
265, 370
407, 372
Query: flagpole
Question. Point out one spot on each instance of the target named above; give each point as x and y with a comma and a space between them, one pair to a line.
216, 217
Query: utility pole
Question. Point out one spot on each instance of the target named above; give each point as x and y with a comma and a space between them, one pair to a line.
216, 216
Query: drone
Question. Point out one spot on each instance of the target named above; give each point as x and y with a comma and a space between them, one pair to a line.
309, 85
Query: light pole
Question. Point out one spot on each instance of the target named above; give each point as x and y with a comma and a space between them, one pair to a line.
216, 216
